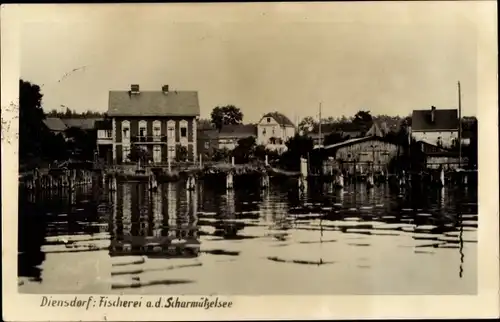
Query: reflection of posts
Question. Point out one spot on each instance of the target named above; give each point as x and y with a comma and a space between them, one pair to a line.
229, 180
190, 183
303, 167
264, 180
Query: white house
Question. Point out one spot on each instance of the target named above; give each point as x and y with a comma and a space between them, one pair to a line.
435, 126
273, 130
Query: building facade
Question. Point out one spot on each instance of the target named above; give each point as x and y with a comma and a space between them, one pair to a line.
160, 122
438, 127
104, 141
362, 154
273, 130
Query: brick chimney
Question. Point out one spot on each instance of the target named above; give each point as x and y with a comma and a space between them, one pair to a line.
164, 89
134, 89
433, 114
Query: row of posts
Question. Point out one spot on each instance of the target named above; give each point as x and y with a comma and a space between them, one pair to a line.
67, 180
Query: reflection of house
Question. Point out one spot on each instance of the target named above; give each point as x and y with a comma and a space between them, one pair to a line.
362, 154
104, 140
273, 130
227, 138
160, 226
155, 120
439, 127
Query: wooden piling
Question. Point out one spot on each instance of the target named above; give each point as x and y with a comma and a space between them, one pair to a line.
229, 180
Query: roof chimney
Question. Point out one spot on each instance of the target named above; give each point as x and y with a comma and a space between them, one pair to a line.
164, 89
134, 89
433, 114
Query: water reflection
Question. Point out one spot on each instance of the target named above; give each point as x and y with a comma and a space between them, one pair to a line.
202, 241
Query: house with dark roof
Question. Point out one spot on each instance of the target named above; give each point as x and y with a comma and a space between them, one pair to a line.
227, 138
437, 126
273, 130
55, 125
157, 120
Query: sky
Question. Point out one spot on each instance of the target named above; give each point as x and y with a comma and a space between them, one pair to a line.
388, 58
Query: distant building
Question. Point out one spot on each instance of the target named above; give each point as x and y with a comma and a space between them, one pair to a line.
273, 130
436, 156
156, 120
227, 138
104, 140
347, 131
55, 125
370, 153
86, 124
440, 127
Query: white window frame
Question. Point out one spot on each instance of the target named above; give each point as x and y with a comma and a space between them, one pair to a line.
125, 130
183, 124
125, 153
171, 130
156, 128
157, 151
143, 125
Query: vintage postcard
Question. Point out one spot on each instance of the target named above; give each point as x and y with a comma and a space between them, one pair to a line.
223, 161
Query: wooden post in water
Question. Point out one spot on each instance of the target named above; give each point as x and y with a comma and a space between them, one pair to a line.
267, 160
229, 180
190, 183
169, 166
232, 161
303, 167
200, 165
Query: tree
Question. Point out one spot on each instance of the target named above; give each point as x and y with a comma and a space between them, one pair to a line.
138, 153
204, 124
334, 138
307, 124
244, 150
181, 153
81, 143
297, 147
226, 115
363, 119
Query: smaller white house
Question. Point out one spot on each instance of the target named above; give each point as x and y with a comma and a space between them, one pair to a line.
273, 130
439, 127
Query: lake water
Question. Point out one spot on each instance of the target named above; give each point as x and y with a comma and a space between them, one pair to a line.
249, 241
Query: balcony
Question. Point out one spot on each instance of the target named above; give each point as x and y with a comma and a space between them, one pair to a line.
149, 139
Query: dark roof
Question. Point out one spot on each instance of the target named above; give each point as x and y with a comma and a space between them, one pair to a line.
443, 120
54, 124
352, 141
229, 131
82, 123
339, 127
238, 131
103, 125
280, 118
153, 103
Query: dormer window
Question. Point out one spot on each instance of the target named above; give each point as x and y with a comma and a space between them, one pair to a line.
268, 120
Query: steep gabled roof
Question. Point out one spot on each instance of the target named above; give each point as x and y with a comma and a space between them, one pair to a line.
351, 141
153, 103
446, 119
280, 118
55, 124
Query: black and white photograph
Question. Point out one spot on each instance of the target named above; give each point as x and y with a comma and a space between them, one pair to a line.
250, 150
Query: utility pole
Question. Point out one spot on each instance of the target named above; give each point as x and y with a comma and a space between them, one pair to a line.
320, 141
459, 126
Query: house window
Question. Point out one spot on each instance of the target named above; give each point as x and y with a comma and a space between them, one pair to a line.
183, 129
268, 120
142, 128
264, 131
156, 128
126, 153
109, 133
171, 130
171, 152
126, 129
273, 130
